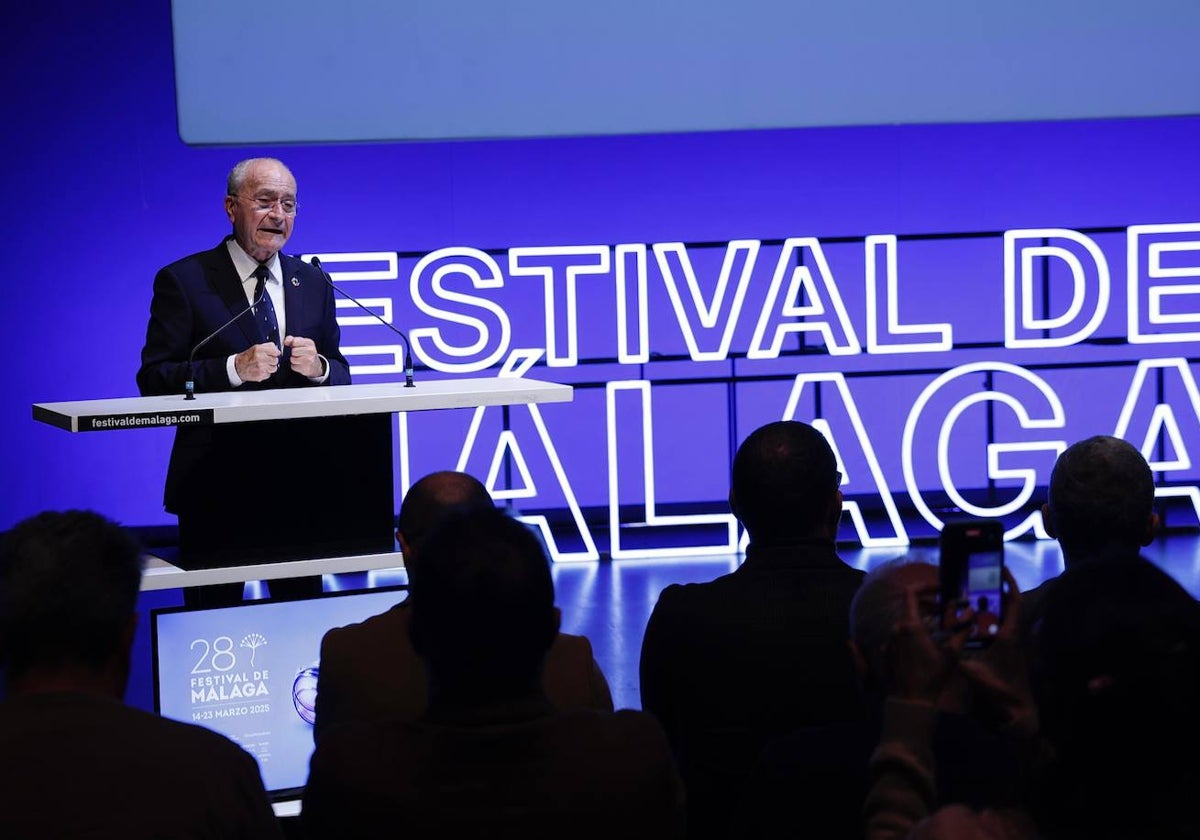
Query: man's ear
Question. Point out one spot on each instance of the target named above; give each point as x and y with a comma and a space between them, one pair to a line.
1048, 521
1152, 523
406, 552
230, 201
835, 515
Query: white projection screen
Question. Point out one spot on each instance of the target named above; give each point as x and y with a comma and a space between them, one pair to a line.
375, 70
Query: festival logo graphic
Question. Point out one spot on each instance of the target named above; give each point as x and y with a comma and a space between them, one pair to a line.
304, 692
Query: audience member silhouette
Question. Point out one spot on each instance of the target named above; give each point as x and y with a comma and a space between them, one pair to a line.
75, 761
1100, 505
491, 756
730, 664
369, 670
1116, 677
817, 777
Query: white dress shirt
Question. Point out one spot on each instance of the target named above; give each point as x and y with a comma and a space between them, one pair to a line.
246, 265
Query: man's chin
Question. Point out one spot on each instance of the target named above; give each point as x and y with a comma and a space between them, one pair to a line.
270, 242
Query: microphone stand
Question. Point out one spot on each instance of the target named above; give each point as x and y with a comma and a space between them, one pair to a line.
189, 384
408, 363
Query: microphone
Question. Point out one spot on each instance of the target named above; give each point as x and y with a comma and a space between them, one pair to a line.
408, 363
189, 385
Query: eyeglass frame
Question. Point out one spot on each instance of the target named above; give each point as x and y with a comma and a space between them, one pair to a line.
271, 203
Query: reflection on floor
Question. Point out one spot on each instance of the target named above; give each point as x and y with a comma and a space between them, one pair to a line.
610, 602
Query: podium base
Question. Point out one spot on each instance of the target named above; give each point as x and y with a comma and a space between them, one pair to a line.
313, 488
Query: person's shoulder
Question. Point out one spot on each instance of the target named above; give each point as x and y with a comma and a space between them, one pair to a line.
569, 655
149, 776
1039, 591
377, 628
853, 570
175, 734
682, 604
857, 576
680, 594
293, 265
199, 258
168, 742
849, 571
569, 644
366, 743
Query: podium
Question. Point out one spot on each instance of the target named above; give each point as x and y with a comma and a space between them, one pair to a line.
290, 474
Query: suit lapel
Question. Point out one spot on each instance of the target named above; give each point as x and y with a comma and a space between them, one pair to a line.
293, 292
218, 267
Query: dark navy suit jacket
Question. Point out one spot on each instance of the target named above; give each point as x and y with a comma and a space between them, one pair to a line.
193, 297
730, 664
196, 295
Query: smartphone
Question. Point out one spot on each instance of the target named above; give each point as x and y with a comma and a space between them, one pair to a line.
971, 579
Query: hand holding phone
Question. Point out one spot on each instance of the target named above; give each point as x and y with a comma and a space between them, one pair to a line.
999, 677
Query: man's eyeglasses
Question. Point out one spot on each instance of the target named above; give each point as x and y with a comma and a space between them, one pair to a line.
287, 206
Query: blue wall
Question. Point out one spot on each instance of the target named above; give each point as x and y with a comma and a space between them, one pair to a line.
100, 192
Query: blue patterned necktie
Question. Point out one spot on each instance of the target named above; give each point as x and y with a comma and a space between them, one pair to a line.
265, 311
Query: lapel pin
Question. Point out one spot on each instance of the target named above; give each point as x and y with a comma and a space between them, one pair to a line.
295, 281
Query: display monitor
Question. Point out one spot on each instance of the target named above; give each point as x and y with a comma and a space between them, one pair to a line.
251, 672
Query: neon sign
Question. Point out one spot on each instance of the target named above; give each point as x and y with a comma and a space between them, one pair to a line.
927, 390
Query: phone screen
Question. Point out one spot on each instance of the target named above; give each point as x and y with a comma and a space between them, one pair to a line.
982, 591
972, 572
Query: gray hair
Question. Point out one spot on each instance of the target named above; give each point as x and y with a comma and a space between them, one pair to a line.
1101, 495
237, 175
879, 604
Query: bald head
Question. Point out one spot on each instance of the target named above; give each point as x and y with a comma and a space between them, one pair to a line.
1101, 500
433, 499
785, 484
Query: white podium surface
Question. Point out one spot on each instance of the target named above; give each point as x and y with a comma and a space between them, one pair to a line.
291, 403
282, 404
161, 574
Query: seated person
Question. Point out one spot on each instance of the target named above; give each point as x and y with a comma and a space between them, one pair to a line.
729, 665
1100, 504
491, 756
370, 671
818, 775
77, 761
1115, 674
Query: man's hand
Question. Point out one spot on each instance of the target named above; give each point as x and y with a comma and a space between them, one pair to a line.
257, 363
305, 360
918, 666
999, 677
